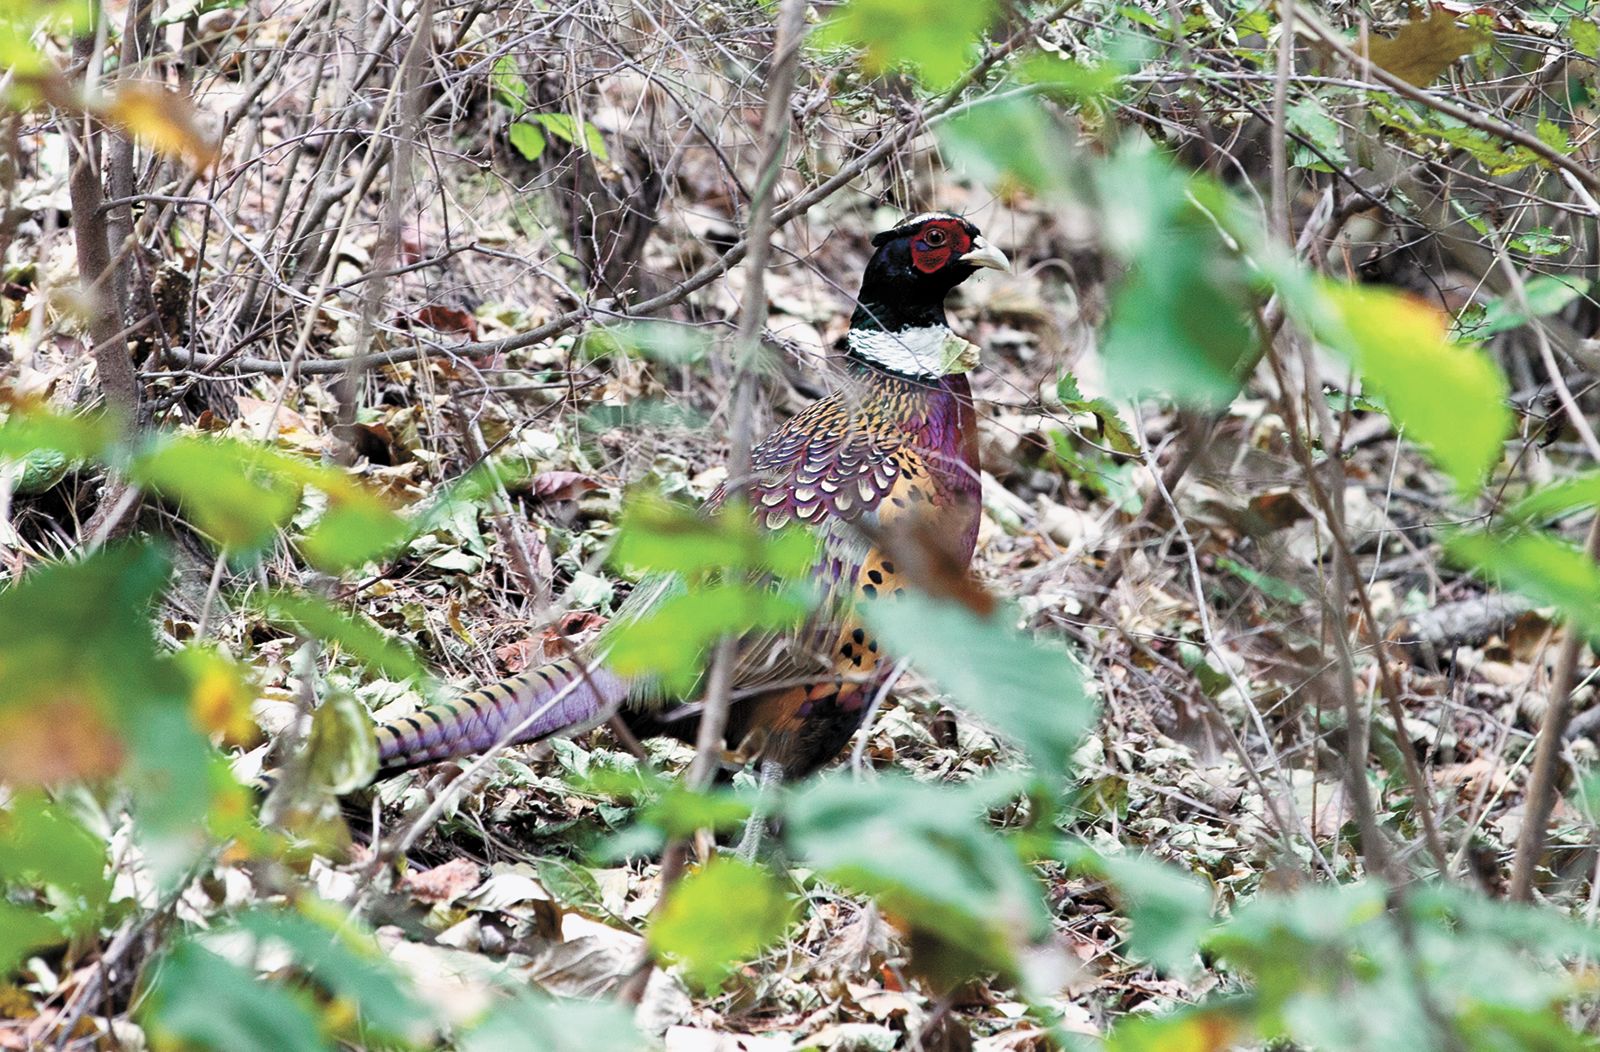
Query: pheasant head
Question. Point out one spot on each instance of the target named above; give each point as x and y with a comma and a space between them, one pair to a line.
899, 323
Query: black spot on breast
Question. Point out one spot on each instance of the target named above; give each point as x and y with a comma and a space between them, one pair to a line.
873, 646
888, 567
859, 636
870, 591
874, 576
847, 650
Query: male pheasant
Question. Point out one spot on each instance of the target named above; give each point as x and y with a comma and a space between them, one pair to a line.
892, 453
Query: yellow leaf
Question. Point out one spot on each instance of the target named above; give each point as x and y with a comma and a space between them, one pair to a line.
1424, 49
219, 696
164, 119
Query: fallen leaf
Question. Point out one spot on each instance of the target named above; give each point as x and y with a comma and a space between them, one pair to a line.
448, 319
1423, 49
560, 485
444, 883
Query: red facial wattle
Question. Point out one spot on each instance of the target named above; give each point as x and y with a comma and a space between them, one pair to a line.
937, 243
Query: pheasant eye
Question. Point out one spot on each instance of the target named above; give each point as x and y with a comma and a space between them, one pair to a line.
934, 237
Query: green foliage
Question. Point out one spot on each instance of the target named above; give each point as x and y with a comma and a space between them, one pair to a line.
358, 637
672, 639
1547, 294
342, 750
1448, 397
1547, 570
47, 854
721, 575
1178, 321
1311, 121
531, 135
933, 37
668, 538
223, 486
1009, 143
1033, 693
752, 912
84, 688
78, 438
531, 1023
1113, 432
927, 855
1170, 911
207, 1002
20, 56
1351, 967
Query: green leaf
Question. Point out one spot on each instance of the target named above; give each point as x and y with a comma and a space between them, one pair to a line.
1266, 584
1547, 502
656, 535
1077, 80
1448, 397
930, 859
1547, 294
1584, 33
1553, 135
568, 129
204, 1001
1217, 1024
528, 140
718, 916
660, 341
532, 1023
43, 846
356, 528
1546, 570
1178, 320
1034, 693
933, 37
671, 640
343, 750
343, 958
509, 86
1311, 121
24, 932
360, 638
78, 651
1113, 432
1008, 143
1170, 911
226, 486
82, 437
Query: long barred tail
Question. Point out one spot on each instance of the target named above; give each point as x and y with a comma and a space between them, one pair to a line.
535, 704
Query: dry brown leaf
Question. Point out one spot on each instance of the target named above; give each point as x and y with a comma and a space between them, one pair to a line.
55, 740
444, 883
448, 319
1423, 49
560, 485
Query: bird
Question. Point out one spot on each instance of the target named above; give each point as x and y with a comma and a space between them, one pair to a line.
893, 452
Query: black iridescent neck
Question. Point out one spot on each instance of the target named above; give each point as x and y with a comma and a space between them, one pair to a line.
897, 315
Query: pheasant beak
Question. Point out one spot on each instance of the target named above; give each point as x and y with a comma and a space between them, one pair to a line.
984, 254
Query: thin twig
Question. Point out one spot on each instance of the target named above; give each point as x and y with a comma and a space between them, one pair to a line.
1544, 781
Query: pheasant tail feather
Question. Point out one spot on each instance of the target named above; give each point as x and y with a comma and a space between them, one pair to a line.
542, 701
